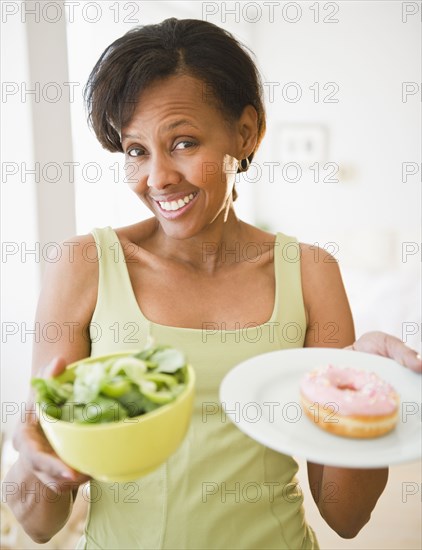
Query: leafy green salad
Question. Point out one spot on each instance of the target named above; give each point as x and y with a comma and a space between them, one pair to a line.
115, 388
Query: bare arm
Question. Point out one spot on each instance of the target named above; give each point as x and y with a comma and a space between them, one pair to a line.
40, 488
345, 497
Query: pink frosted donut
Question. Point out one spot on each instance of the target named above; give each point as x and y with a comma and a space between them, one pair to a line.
349, 402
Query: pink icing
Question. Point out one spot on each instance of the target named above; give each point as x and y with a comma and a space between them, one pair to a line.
355, 392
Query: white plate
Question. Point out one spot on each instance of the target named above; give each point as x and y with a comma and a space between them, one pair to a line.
261, 396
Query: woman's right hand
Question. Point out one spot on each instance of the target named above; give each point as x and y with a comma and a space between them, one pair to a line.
36, 453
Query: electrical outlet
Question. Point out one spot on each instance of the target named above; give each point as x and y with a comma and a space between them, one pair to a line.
303, 144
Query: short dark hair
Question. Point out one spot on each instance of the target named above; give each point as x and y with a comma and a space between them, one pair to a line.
174, 46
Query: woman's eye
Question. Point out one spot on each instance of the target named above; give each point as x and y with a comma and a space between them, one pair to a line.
185, 144
135, 152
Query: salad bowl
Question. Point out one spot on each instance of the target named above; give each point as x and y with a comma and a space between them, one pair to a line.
128, 447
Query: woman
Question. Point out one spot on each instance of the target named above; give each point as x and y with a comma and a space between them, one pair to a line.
183, 101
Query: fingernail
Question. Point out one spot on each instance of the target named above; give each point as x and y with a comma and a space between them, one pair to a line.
418, 357
67, 475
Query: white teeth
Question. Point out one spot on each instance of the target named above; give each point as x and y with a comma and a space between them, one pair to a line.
176, 205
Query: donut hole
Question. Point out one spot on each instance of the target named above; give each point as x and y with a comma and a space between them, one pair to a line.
346, 387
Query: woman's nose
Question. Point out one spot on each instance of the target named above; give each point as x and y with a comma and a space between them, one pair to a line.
162, 172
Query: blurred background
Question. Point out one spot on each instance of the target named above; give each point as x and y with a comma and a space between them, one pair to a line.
340, 167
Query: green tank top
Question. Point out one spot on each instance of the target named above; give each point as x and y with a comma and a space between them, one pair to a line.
221, 489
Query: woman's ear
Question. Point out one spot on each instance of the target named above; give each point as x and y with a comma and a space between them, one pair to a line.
248, 130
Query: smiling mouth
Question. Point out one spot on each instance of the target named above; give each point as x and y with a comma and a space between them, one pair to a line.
173, 206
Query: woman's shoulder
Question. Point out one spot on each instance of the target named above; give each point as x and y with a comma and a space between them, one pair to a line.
320, 275
74, 254
77, 266
70, 284
316, 259
319, 269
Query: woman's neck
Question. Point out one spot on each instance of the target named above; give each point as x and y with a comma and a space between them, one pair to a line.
208, 250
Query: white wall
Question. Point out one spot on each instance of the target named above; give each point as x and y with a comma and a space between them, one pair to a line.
369, 53
20, 281
38, 203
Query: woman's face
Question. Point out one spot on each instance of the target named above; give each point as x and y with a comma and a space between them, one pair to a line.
181, 156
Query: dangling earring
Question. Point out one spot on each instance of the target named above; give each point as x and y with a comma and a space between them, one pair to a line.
243, 165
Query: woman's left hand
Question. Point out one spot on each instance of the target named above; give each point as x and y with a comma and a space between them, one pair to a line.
387, 345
